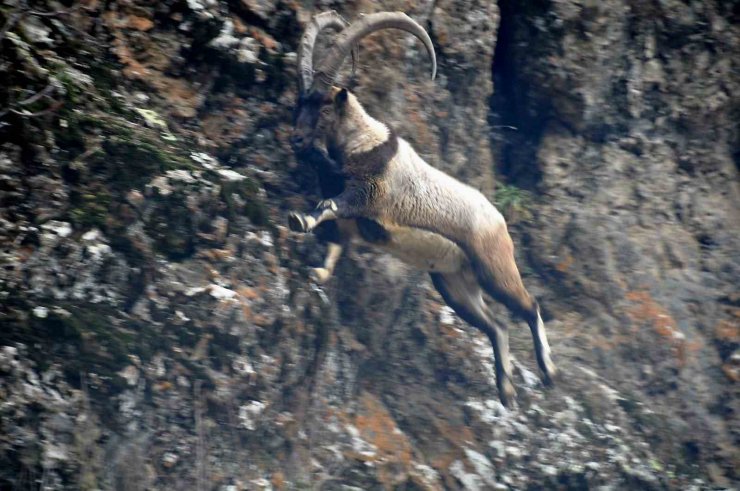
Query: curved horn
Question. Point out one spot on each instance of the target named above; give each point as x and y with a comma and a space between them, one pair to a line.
353, 34
305, 48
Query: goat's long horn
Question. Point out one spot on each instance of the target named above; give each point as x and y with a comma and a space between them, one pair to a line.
329, 67
318, 23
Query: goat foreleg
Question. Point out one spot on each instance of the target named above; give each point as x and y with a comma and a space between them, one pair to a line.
322, 274
351, 203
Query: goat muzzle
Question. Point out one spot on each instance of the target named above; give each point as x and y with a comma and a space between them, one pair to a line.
299, 141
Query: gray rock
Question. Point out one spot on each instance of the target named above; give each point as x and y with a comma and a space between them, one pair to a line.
159, 327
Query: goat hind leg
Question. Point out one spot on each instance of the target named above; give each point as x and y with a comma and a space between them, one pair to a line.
499, 276
505, 285
542, 347
463, 294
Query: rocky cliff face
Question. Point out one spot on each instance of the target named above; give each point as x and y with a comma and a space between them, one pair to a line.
158, 327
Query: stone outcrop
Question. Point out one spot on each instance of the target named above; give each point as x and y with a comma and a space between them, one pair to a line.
159, 330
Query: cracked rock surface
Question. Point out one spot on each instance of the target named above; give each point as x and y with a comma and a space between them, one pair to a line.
158, 326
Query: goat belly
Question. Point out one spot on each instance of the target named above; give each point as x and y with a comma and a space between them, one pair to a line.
372, 231
422, 250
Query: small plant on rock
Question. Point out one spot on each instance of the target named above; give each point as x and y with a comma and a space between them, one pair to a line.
514, 202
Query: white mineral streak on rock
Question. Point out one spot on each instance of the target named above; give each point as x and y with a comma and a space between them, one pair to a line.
220, 293
470, 481
359, 445
248, 414
489, 411
231, 175
482, 466
225, 38
446, 315
181, 175
205, 160
427, 473
161, 184
242, 366
62, 229
194, 290
41, 312
130, 374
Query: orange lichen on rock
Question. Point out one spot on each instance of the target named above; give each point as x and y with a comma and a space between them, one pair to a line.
731, 369
457, 435
216, 255
264, 39
422, 136
163, 386
388, 448
646, 311
278, 480
248, 292
565, 264
179, 93
378, 428
227, 126
239, 26
246, 311
117, 20
728, 330
450, 331
132, 69
139, 23
146, 63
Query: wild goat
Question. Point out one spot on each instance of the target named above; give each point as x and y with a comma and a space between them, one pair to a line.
401, 204
337, 233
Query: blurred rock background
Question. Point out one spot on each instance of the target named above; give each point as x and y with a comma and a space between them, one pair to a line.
158, 328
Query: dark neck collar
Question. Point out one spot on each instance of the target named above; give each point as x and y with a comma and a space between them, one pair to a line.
370, 163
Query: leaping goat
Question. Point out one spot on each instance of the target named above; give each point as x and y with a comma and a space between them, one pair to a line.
403, 205
338, 233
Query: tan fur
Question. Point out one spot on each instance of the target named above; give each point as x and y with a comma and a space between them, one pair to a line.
420, 249
435, 223
424, 250
496, 250
353, 131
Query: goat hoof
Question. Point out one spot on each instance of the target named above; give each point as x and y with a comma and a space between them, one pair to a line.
297, 223
327, 204
507, 394
319, 275
549, 377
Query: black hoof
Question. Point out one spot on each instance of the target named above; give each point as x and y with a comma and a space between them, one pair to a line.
296, 222
549, 380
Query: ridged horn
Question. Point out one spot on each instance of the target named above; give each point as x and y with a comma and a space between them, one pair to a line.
352, 35
317, 24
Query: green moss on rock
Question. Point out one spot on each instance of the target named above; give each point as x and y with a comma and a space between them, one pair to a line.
91, 208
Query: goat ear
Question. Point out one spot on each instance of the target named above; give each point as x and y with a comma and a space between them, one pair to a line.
341, 98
